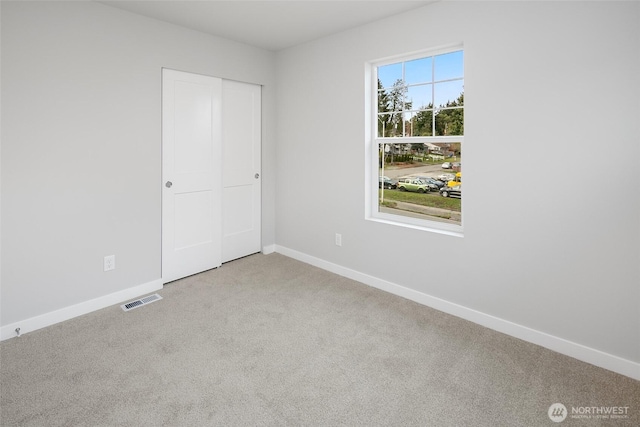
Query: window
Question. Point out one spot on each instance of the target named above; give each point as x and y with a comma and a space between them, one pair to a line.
417, 128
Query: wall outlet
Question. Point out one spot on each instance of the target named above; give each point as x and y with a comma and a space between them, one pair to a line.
338, 239
109, 262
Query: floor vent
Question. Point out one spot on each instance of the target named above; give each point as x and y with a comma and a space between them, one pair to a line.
140, 302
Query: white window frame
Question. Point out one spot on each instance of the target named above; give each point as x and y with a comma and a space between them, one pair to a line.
373, 142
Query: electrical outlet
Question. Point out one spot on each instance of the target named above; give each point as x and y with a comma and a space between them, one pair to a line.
109, 262
338, 239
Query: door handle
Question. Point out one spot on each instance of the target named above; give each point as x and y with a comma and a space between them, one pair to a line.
257, 175
168, 184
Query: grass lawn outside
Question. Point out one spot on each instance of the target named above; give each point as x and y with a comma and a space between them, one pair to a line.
433, 199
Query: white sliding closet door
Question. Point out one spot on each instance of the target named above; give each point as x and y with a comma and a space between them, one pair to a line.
191, 170
241, 154
211, 158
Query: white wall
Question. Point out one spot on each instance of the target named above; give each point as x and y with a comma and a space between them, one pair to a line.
552, 219
81, 147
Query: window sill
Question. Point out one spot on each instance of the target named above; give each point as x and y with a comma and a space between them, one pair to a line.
422, 225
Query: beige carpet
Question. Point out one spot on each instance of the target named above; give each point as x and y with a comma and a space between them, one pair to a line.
267, 340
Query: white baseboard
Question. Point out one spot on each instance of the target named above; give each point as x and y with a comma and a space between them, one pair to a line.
577, 351
48, 319
269, 249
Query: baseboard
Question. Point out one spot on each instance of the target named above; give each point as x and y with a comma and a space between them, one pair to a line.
48, 319
577, 351
269, 249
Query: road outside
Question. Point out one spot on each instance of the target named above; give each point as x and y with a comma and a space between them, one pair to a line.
395, 172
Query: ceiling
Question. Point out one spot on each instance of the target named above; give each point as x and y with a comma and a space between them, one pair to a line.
271, 25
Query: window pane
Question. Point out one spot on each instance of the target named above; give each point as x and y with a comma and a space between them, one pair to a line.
448, 94
388, 75
421, 181
418, 71
450, 122
408, 121
389, 125
418, 97
449, 66
422, 123
392, 99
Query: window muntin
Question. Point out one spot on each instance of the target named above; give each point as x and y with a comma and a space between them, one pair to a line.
421, 88
419, 114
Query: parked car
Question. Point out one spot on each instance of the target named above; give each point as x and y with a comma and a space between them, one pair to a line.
413, 184
436, 184
447, 165
446, 177
456, 181
388, 182
451, 191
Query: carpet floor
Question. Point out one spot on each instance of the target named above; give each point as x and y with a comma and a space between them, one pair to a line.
269, 341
